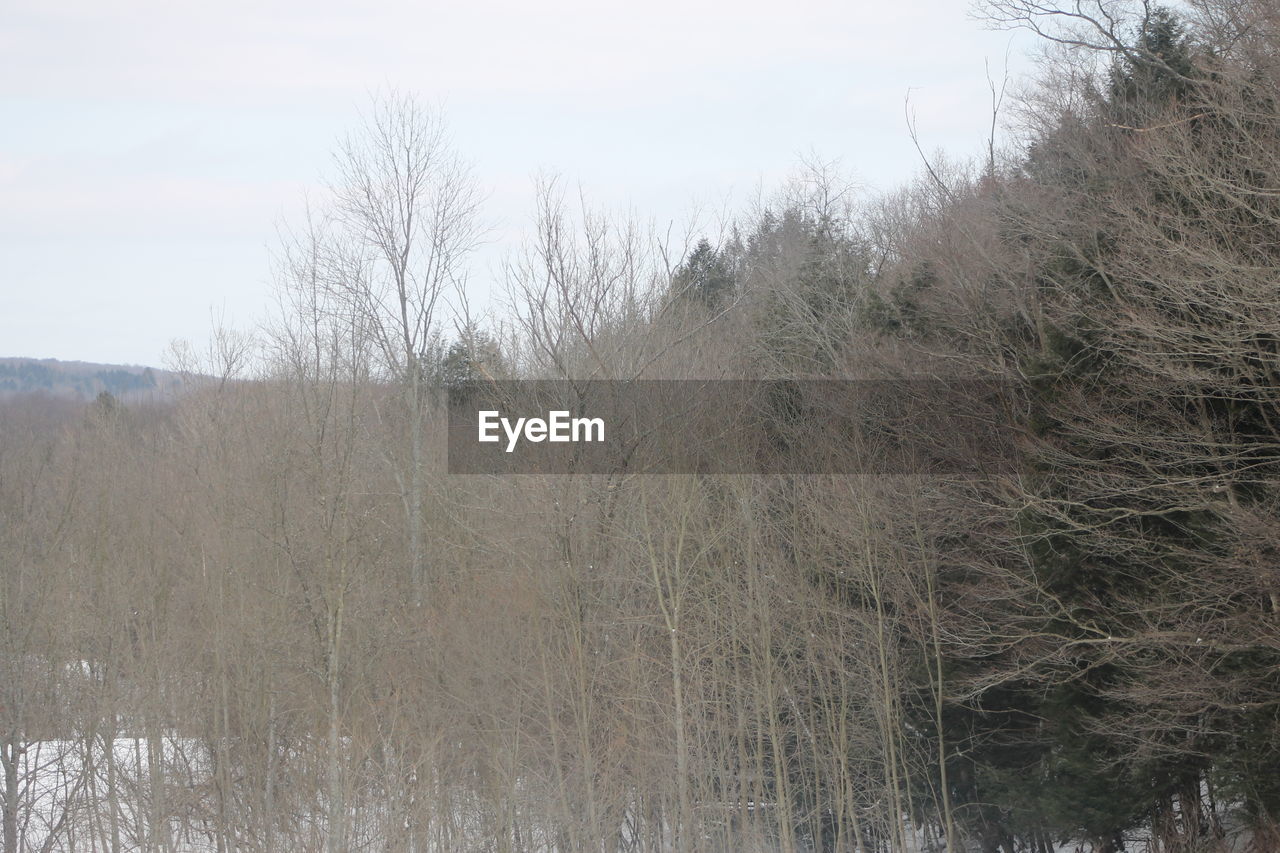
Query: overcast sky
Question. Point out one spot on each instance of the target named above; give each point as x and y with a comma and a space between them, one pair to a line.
148, 150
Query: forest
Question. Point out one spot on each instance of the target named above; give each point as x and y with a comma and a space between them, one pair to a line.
263, 616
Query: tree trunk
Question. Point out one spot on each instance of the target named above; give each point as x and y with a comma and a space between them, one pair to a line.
10, 755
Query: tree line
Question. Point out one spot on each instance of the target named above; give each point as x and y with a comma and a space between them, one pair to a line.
263, 617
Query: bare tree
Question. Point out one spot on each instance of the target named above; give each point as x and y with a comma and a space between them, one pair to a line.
405, 218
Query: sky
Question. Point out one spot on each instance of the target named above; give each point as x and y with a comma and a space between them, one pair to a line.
151, 151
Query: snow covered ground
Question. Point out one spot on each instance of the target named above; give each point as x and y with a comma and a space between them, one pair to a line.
71, 796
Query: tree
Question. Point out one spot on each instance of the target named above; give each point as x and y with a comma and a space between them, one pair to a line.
403, 221
704, 276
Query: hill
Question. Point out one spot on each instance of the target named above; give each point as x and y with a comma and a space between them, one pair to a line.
79, 380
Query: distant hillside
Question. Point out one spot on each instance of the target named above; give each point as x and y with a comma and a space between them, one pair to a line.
79, 380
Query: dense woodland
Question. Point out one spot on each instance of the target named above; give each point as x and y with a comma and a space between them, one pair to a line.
263, 617
76, 380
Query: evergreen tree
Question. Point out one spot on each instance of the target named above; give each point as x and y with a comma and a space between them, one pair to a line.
705, 276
